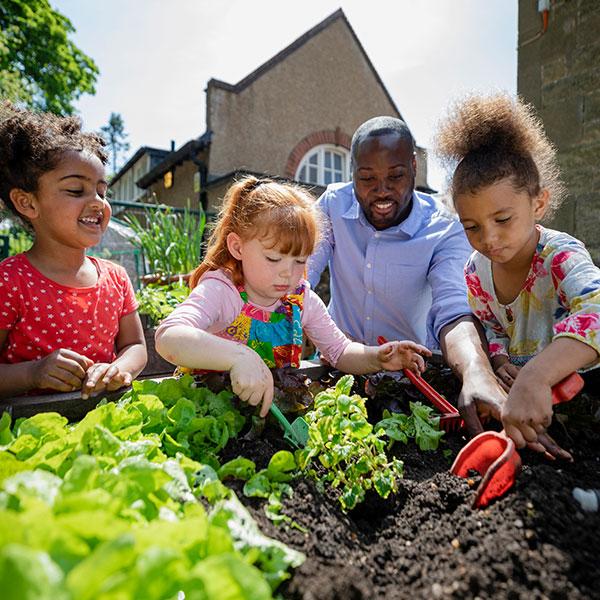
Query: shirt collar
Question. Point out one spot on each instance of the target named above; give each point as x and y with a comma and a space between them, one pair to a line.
410, 226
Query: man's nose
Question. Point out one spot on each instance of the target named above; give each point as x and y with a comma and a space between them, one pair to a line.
382, 187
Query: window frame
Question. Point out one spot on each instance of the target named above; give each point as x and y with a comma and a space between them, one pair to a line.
320, 151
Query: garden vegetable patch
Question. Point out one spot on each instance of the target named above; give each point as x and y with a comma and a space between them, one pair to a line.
172, 492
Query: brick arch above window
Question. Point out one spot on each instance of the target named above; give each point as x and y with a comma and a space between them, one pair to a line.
318, 138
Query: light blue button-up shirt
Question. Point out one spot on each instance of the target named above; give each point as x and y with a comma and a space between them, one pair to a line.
404, 282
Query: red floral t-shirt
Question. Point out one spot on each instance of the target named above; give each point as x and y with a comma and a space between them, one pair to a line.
42, 316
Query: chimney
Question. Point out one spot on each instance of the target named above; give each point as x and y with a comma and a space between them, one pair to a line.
172, 145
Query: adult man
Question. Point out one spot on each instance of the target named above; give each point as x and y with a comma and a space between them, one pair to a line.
396, 262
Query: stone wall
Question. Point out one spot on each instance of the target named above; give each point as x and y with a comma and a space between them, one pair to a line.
559, 73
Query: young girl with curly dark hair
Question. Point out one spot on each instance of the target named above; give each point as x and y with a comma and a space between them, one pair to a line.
67, 321
535, 290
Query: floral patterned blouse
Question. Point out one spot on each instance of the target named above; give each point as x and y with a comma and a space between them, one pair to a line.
560, 298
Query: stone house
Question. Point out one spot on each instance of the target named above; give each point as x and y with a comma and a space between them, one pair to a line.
293, 118
559, 73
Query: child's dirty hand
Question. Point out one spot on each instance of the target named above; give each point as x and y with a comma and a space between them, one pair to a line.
63, 371
252, 382
103, 377
527, 411
506, 375
395, 356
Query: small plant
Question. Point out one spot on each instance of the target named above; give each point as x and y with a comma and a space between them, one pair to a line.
344, 443
158, 301
19, 239
170, 241
352, 452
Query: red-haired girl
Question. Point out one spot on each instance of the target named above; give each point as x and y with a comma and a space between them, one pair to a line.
250, 303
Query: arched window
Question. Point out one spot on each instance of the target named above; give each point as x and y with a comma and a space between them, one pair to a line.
323, 165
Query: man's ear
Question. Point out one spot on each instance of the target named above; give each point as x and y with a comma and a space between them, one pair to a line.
541, 203
414, 162
234, 245
24, 202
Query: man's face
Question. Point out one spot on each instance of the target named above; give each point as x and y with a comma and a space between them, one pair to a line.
384, 178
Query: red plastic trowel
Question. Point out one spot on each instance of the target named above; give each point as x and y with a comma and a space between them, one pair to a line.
494, 455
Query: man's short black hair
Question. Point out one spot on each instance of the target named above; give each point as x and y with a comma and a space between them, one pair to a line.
380, 126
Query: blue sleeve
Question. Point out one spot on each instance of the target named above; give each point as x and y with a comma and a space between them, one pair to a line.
320, 257
446, 277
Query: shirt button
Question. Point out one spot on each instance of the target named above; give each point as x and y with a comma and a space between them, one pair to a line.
368, 318
368, 265
369, 291
377, 235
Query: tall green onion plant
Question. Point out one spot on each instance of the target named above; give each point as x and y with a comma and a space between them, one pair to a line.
171, 242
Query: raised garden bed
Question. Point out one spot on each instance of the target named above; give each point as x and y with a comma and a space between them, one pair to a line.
425, 540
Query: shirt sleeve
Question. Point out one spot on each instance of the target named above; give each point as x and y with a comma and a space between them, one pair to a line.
9, 300
211, 304
130, 303
449, 297
577, 282
321, 330
479, 301
320, 257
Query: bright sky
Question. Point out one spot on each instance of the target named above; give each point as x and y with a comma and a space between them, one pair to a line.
156, 56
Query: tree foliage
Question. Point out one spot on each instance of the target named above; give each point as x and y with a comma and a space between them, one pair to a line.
39, 65
115, 137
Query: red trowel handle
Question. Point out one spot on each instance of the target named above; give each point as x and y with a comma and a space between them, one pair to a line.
567, 388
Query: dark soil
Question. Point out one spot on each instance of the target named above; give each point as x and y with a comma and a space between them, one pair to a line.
427, 542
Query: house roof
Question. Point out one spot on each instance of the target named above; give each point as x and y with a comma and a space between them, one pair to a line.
280, 56
172, 159
156, 154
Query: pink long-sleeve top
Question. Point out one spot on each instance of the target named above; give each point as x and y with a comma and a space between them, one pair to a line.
215, 303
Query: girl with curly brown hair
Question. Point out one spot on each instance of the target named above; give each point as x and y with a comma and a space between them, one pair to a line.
67, 321
535, 290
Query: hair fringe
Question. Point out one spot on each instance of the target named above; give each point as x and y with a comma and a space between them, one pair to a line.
261, 208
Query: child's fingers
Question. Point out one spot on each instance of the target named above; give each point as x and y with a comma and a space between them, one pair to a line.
111, 372
267, 401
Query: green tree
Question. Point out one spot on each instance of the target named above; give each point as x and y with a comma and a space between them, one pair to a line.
39, 65
115, 136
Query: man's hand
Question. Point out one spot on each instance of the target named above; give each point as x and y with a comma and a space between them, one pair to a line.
63, 370
480, 396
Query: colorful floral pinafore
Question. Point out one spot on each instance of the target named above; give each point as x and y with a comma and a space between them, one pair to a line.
275, 336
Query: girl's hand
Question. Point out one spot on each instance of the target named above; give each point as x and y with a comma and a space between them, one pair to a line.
527, 411
506, 375
252, 381
550, 448
395, 356
104, 377
63, 371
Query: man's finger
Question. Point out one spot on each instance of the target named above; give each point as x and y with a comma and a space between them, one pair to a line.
471, 419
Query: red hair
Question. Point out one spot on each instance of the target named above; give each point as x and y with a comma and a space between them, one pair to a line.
264, 209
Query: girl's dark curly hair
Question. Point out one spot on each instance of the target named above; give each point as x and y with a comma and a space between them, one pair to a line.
484, 139
33, 143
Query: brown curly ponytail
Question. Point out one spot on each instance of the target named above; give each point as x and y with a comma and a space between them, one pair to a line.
484, 139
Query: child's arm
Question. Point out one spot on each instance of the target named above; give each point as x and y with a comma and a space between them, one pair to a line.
391, 356
131, 359
63, 371
195, 348
528, 409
